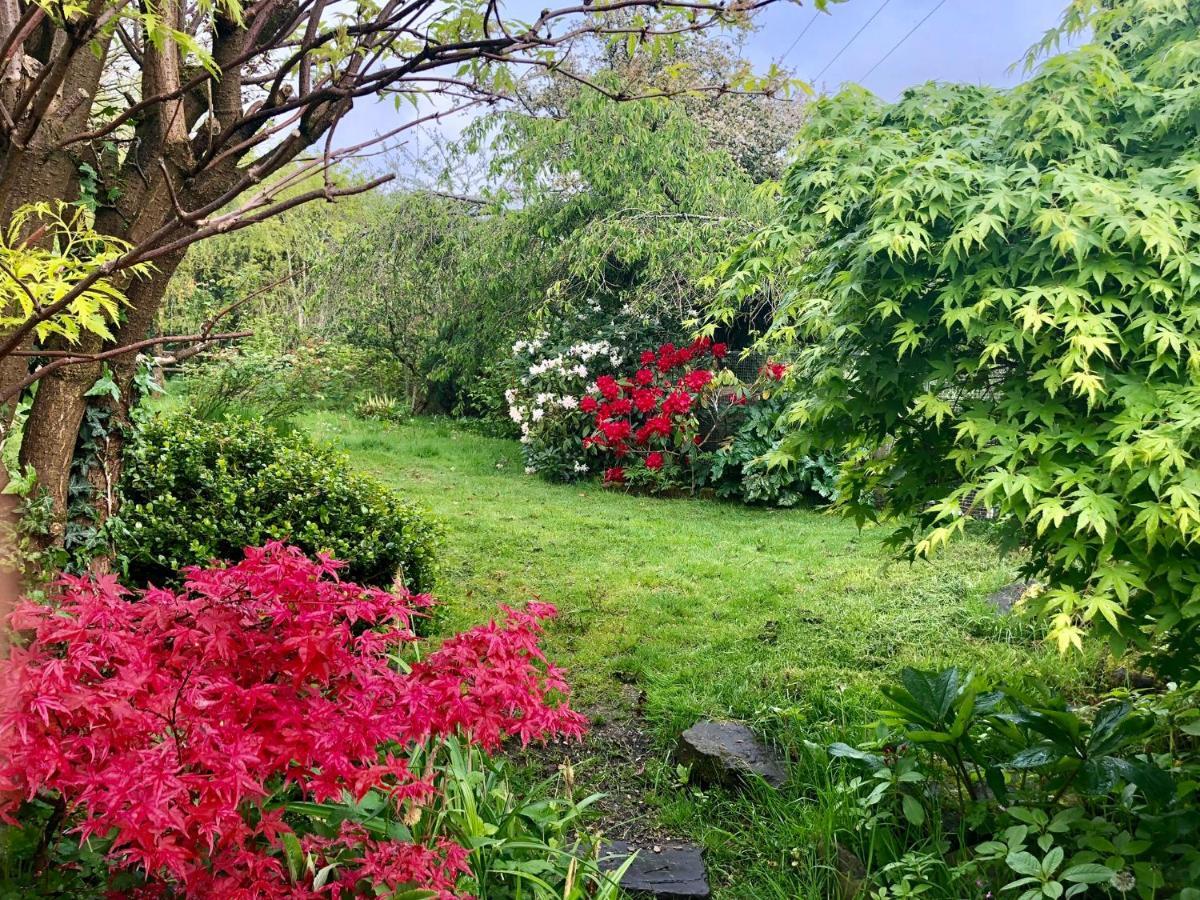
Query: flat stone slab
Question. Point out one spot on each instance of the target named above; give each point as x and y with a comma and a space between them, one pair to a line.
727, 753
1006, 598
668, 869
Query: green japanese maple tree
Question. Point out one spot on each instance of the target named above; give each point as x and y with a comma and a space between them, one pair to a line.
994, 299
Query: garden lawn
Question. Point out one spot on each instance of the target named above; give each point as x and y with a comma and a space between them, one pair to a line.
786, 619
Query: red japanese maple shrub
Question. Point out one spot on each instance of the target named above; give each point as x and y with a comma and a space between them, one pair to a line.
177, 724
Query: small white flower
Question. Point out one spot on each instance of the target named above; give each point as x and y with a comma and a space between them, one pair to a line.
538, 414
516, 413
525, 438
510, 396
543, 398
580, 371
580, 467
530, 470
568, 402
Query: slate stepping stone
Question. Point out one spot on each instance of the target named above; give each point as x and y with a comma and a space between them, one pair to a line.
667, 869
726, 753
1006, 598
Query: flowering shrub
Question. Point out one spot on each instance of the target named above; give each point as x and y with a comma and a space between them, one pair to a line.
579, 341
192, 732
545, 402
645, 429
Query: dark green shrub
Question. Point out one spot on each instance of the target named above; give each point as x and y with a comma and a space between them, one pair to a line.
741, 470
195, 491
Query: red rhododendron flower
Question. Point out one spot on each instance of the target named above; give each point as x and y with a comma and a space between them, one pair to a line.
588, 404
608, 387
615, 431
641, 416
615, 475
169, 720
677, 403
645, 399
660, 425
775, 371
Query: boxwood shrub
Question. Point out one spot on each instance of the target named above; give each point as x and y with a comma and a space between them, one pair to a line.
194, 491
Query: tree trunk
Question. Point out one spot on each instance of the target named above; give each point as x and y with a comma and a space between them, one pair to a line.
10, 565
105, 475
50, 435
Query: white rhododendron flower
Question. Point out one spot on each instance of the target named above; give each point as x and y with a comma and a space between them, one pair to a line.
568, 402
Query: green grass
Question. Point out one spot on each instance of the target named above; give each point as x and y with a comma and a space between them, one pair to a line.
786, 619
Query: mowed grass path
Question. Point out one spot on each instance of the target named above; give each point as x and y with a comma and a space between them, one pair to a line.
713, 608
787, 619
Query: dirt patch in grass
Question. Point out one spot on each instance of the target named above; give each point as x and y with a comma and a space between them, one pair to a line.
616, 759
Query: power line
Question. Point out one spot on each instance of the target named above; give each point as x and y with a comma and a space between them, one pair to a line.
853, 38
803, 32
896, 46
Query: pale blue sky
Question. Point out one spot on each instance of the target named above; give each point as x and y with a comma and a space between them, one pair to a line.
963, 40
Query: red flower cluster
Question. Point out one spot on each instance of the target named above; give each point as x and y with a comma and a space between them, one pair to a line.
774, 370
170, 720
651, 414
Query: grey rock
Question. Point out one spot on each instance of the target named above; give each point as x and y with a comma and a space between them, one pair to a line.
667, 869
1139, 681
726, 753
850, 873
1006, 598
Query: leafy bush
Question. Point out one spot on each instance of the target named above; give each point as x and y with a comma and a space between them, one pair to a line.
196, 738
272, 384
524, 842
992, 295
195, 491
1049, 801
745, 467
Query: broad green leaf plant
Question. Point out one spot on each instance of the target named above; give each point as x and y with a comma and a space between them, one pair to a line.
996, 295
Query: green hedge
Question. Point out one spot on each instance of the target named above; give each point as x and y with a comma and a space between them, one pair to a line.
195, 491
